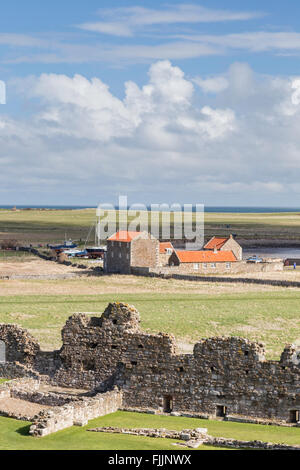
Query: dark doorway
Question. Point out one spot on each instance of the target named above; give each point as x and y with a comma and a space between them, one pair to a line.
294, 416
168, 404
221, 411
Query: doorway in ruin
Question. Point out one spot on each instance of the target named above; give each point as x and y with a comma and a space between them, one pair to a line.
168, 403
221, 411
2, 352
294, 416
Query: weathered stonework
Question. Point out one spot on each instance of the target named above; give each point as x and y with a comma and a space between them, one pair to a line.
223, 377
76, 413
195, 437
141, 251
20, 346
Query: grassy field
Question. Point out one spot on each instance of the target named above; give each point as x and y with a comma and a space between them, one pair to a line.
14, 434
15, 256
271, 316
51, 226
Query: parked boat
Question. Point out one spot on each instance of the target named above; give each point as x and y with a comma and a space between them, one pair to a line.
76, 253
67, 245
96, 251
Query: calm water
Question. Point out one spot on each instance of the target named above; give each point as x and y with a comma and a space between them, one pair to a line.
272, 252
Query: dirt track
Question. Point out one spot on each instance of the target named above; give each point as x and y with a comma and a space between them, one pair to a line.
35, 267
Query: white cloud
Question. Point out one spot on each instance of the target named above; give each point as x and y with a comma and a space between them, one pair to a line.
114, 29
128, 20
257, 41
164, 140
51, 49
212, 84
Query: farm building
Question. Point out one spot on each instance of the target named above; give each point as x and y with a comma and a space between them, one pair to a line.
126, 249
165, 251
225, 244
203, 261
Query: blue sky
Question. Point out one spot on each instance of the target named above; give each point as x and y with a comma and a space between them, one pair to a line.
166, 102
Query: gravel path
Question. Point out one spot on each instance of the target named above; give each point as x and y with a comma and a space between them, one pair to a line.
20, 408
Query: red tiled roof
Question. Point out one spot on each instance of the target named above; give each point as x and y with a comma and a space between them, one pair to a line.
124, 236
215, 242
163, 247
205, 256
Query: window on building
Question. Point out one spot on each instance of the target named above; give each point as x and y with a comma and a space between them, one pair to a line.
196, 266
120, 255
228, 265
169, 251
204, 265
213, 265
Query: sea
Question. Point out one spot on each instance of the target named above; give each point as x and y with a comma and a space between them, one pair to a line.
221, 209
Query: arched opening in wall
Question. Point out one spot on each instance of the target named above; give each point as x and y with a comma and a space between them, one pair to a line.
221, 411
168, 403
2, 352
294, 416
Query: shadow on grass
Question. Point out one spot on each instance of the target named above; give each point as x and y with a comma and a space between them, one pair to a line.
24, 431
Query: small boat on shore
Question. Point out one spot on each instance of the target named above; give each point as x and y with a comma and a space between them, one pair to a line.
67, 245
76, 253
95, 252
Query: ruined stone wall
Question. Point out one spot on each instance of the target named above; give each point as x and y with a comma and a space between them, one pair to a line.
227, 375
20, 346
12, 370
222, 373
77, 413
223, 376
93, 347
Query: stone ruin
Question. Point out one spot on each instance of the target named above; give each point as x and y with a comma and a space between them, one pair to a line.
224, 378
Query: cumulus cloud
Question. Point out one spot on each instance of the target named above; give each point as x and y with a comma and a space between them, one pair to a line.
87, 109
162, 141
212, 84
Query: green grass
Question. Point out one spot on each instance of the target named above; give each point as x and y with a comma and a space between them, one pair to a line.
51, 226
14, 434
3, 380
270, 317
16, 256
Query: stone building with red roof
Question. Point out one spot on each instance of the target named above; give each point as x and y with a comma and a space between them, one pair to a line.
127, 249
225, 244
203, 261
165, 251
